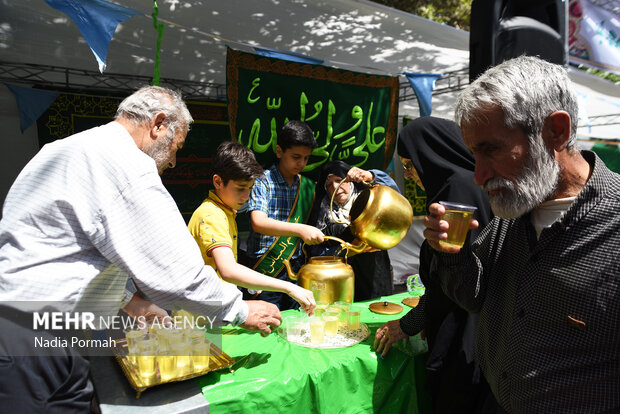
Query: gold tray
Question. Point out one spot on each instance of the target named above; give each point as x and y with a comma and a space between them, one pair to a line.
218, 359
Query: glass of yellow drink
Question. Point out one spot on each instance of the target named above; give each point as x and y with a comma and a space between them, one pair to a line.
317, 329
176, 336
167, 366
195, 335
344, 308
331, 323
458, 217
320, 308
183, 353
146, 358
201, 349
133, 337
353, 320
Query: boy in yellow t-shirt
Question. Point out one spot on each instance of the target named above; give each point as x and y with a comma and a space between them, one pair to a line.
214, 228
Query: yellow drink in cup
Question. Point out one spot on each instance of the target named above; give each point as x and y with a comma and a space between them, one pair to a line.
167, 366
458, 217
164, 336
154, 331
353, 320
195, 335
133, 337
132, 356
183, 353
147, 367
331, 323
201, 351
317, 330
344, 308
175, 336
146, 358
320, 308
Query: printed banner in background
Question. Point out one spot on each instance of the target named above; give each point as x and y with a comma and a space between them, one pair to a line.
594, 33
353, 115
189, 182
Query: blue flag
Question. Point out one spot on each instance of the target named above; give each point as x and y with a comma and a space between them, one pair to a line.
423, 85
288, 55
97, 21
31, 103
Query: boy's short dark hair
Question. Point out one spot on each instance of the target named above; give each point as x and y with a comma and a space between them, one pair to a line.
233, 161
295, 133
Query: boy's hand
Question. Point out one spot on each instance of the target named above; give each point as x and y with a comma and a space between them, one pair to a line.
304, 297
262, 316
311, 235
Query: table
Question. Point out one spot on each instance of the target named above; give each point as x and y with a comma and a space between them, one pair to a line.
270, 373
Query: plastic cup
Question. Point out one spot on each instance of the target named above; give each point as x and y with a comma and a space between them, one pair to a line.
176, 336
320, 308
317, 330
147, 360
304, 326
164, 338
344, 308
183, 353
200, 353
154, 331
194, 335
458, 217
353, 320
331, 323
133, 337
293, 328
132, 356
167, 366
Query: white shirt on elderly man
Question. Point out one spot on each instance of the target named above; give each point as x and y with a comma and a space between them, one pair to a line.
89, 209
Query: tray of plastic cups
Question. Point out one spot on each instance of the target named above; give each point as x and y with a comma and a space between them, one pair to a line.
162, 355
338, 325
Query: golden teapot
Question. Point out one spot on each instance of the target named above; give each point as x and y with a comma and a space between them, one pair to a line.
380, 216
330, 278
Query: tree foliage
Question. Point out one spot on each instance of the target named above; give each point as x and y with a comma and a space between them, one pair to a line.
451, 12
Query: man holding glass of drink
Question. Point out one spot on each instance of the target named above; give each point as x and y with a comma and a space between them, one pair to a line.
542, 275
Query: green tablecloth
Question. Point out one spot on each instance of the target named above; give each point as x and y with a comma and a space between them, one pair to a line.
272, 374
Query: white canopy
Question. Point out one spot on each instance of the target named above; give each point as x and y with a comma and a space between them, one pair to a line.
352, 34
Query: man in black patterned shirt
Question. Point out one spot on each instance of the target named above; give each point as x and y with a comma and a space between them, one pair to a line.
544, 274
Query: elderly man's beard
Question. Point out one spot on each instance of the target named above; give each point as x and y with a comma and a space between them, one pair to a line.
531, 188
160, 151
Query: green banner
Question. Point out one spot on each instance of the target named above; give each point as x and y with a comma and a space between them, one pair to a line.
353, 115
189, 182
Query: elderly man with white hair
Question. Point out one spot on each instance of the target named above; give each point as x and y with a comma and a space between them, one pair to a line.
543, 274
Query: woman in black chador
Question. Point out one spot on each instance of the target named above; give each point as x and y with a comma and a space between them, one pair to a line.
433, 154
373, 275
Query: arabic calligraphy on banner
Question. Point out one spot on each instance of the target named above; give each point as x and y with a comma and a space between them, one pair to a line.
353, 115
